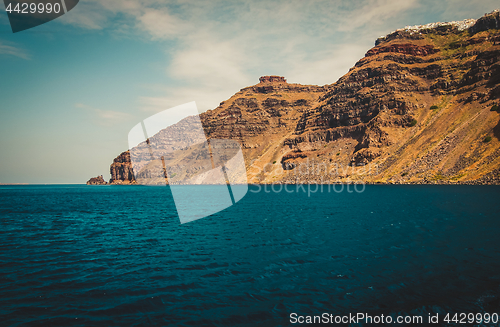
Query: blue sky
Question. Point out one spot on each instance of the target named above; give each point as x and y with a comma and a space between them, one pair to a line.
71, 89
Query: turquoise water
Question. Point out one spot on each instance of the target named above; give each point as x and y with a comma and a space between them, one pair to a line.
74, 255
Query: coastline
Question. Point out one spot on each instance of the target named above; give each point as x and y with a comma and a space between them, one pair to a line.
476, 183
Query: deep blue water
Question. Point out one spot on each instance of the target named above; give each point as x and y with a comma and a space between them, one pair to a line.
117, 256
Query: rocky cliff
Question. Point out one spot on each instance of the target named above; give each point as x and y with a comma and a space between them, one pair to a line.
418, 108
121, 170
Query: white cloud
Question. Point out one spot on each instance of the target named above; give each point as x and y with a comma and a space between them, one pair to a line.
461, 9
328, 65
375, 12
217, 47
160, 24
11, 50
106, 117
86, 15
208, 62
205, 98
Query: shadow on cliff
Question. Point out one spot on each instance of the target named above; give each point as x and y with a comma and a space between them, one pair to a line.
496, 130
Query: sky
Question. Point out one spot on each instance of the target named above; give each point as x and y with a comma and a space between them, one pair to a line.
71, 89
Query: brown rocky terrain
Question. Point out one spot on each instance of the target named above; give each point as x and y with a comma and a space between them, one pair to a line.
416, 109
99, 180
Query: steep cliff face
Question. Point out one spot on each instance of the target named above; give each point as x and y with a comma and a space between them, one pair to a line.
121, 170
260, 117
415, 109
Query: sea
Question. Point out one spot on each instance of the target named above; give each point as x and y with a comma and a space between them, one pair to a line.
78, 255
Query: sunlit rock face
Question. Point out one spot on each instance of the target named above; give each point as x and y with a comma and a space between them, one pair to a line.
417, 107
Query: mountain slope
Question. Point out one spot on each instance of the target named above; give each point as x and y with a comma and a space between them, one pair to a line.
415, 109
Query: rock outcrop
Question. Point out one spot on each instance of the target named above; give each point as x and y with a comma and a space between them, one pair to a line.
408, 48
99, 180
487, 22
415, 109
121, 170
272, 79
